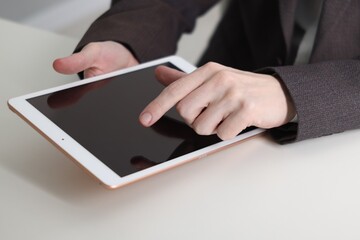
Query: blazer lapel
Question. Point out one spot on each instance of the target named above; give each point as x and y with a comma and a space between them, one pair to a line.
332, 11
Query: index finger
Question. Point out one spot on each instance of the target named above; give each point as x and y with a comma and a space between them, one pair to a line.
172, 94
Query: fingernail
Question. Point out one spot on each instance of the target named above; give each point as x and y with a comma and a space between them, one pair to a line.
145, 118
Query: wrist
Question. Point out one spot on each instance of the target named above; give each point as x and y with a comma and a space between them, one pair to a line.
291, 115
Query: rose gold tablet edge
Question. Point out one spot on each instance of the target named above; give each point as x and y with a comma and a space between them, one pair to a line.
113, 187
183, 162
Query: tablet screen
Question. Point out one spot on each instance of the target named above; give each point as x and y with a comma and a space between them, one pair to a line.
102, 116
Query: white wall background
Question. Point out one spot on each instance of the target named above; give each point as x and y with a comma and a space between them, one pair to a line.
73, 17
69, 17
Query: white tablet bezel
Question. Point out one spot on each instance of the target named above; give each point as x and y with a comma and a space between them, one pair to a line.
84, 158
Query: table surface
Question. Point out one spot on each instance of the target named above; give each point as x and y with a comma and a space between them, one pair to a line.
254, 190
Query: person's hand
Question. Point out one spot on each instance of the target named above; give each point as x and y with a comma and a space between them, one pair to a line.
95, 59
222, 100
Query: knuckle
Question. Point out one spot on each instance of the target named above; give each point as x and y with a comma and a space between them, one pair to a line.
260, 123
224, 75
182, 109
231, 130
201, 129
224, 135
93, 46
224, 78
186, 112
256, 120
235, 96
230, 104
89, 73
212, 65
156, 107
248, 106
172, 90
234, 99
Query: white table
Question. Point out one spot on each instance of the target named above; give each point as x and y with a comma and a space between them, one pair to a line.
255, 190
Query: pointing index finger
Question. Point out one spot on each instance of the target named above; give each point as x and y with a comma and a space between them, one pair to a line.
171, 95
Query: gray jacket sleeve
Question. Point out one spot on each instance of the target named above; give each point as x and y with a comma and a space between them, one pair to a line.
149, 28
326, 96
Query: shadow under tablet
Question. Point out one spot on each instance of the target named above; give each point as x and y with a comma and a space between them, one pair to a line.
103, 117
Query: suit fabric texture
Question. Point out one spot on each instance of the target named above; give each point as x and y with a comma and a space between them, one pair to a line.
257, 35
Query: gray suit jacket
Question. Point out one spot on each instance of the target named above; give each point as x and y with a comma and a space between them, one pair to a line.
256, 35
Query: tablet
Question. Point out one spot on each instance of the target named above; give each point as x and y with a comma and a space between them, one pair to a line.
95, 123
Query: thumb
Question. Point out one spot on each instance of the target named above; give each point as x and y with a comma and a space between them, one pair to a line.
77, 62
167, 75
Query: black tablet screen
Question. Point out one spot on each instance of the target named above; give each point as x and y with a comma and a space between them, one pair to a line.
103, 117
